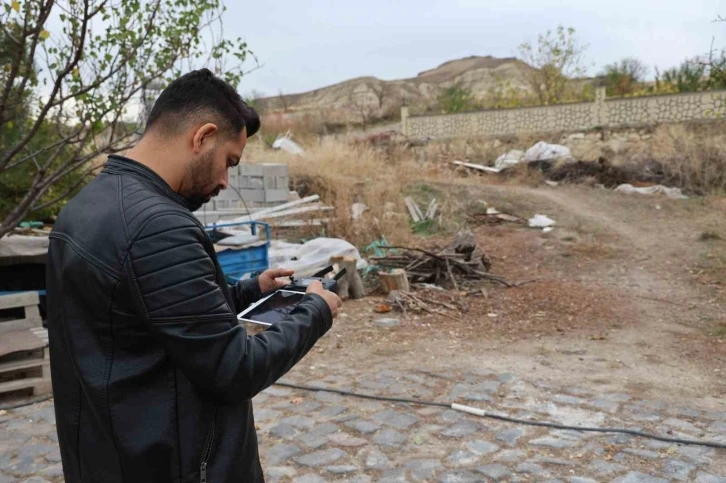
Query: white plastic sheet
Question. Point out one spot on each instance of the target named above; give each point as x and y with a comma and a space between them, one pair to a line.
287, 144
673, 193
541, 221
543, 151
312, 256
509, 159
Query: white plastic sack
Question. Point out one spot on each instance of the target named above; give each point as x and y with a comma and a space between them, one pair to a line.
313, 256
673, 193
543, 151
541, 221
287, 144
509, 159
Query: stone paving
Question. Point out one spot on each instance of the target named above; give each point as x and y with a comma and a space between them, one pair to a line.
309, 437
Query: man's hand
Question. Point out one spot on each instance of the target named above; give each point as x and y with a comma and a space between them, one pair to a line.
269, 279
330, 298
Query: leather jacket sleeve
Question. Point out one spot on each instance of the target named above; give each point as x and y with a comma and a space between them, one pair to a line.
245, 293
174, 286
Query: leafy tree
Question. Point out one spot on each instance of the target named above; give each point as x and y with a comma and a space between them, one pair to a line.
556, 58
456, 98
66, 95
625, 77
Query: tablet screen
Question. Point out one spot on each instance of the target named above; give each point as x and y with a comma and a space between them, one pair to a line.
272, 309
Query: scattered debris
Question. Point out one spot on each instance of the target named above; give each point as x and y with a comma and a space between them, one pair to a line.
541, 221
387, 322
312, 256
357, 210
292, 214
416, 214
478, 167
673, 193
509, 159
396, 280
452, 267
709, 235
287, 144
492, 216
382, 309
351, 285
552, 183
543, 151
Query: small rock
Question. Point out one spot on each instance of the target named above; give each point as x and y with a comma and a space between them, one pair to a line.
482, 447
331, 411
53, 471
678, 470
397, 475
709, 478
496, 472
389, 437
279, 472
461, 429
579, 479
451, 416
282, 452
341, 469
642, 453
346, 440
511, 436
396, 419
284, 431
376, 460
363, 426
605, 405
387, 322
321, 458
552, 442
635, 477
458, 476
510, 456
309, 478
564, 399
423, 469
531, 469
462, 458
300, 422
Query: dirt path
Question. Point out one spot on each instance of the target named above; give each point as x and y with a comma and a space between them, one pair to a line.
642, 260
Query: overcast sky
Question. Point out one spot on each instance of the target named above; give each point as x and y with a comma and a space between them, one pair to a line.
309, 44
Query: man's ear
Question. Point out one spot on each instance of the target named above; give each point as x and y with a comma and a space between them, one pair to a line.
204, 135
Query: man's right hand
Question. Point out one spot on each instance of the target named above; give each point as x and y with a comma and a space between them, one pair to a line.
330, 298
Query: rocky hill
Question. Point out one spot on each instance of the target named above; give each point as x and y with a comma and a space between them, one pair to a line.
375, 98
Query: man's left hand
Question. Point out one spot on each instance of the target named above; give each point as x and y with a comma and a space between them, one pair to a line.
271, 279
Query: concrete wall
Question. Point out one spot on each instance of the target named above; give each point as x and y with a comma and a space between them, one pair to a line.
639, 111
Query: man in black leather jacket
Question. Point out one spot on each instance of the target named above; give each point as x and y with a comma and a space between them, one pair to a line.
152, 375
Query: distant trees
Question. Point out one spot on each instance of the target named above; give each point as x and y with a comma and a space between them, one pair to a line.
625, 77
557, 58
456, 98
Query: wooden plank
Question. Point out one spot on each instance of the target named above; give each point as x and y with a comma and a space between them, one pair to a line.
23, 364
297, 211
31, 382
431, 211
19, 300
22, 324
18, 341
413, 209
478, 167
41, 333
299, 223
283, 207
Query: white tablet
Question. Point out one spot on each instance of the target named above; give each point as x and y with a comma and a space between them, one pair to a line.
272, 308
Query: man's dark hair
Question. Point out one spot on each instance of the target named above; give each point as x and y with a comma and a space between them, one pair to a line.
202, 96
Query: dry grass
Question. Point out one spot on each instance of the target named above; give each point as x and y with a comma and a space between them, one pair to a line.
693, 157
343, 174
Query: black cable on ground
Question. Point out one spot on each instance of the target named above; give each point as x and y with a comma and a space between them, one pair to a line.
479, 412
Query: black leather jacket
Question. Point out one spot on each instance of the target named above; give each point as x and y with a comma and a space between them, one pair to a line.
152, 375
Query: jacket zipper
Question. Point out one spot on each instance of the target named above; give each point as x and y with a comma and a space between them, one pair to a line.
207, 450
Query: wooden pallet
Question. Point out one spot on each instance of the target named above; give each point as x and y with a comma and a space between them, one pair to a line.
24, 363
27, 300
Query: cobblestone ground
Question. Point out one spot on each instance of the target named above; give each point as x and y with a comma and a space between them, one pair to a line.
309, 437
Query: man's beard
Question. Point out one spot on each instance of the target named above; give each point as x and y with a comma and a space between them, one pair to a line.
200, 180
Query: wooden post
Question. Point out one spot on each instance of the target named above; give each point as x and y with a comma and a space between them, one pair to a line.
351, 285
396, 280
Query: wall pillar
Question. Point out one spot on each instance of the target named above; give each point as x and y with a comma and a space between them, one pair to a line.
404, 121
